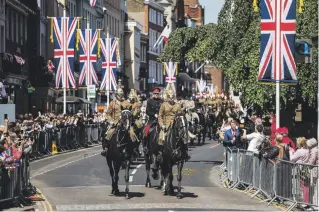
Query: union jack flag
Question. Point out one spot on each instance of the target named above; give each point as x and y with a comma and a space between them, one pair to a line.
278, 29
109, 80
201, 88
170, 78
92, 3
64, 28
88, 56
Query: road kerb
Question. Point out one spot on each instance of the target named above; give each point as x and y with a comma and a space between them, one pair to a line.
46, 203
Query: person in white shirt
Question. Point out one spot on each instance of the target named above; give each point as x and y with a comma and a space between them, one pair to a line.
255, 139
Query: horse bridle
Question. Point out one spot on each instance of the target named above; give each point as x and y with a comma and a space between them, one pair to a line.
126, 128
183, 125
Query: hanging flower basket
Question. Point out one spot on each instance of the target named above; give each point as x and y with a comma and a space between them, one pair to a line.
31, 89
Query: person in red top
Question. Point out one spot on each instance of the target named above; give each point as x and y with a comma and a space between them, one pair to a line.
273, 140
286, 139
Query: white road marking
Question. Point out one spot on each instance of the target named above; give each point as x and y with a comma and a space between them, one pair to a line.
64, 165
214, 146
134, 171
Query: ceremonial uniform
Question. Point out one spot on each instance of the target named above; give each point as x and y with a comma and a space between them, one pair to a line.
113, 114
166, 117
152, 109
135, 107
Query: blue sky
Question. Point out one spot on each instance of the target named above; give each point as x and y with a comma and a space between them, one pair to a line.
212, 8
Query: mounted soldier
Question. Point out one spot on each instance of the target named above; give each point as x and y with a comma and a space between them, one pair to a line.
167, 113
152, 109
113, 115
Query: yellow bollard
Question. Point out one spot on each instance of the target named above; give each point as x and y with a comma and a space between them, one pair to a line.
54, 149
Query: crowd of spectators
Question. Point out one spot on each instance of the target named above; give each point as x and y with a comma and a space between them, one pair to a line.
272, 143
17, 138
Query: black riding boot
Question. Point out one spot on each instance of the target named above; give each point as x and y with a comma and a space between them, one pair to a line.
104, 146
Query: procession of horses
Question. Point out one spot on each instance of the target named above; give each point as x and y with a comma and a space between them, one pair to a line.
164, 126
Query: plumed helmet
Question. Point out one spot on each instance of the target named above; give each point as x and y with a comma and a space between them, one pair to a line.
119, 92
170, 94
132, 94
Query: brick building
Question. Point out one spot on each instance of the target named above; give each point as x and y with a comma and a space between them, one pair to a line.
150, 14
195, 11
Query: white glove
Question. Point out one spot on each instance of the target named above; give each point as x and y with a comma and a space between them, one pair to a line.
111, 123
156, 115
163, 127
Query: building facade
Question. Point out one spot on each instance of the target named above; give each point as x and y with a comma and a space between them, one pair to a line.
132, 54
16, 34
151, 15
195, 10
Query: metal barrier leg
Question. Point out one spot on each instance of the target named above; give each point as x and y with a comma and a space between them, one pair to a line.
291, 206
256, 193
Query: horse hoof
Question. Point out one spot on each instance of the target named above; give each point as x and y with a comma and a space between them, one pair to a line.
148, 185
179, 195
127, 196
116, 192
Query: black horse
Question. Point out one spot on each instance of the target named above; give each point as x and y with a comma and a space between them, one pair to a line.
120, 149
174, 153
150, 148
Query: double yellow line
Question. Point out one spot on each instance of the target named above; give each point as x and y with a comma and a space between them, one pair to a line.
46, 204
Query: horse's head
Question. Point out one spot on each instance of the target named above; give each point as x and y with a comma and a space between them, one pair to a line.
125, 119
180, 125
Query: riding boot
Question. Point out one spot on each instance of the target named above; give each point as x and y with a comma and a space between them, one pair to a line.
105, 148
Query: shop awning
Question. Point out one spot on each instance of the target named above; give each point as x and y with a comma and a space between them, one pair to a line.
185, 77
72, 100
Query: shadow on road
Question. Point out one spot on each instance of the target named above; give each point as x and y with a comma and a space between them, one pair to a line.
189, 195
131, 194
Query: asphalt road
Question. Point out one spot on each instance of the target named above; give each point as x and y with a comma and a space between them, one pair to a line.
80, 181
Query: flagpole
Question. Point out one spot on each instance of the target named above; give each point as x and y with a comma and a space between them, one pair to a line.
108, 87
277, 68
64, 67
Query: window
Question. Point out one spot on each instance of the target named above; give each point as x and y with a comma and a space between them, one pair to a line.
13, 15
154, 16
118, 28
25, 30
150, 15
2, 39
7, 23
143, 53
21, 30
158, 18
42, 45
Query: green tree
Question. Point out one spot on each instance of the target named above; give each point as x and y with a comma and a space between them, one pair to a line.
180, 42
205, 41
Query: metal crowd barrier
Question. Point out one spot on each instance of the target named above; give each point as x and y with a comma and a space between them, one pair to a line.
275, 179
66, 138
15, 184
